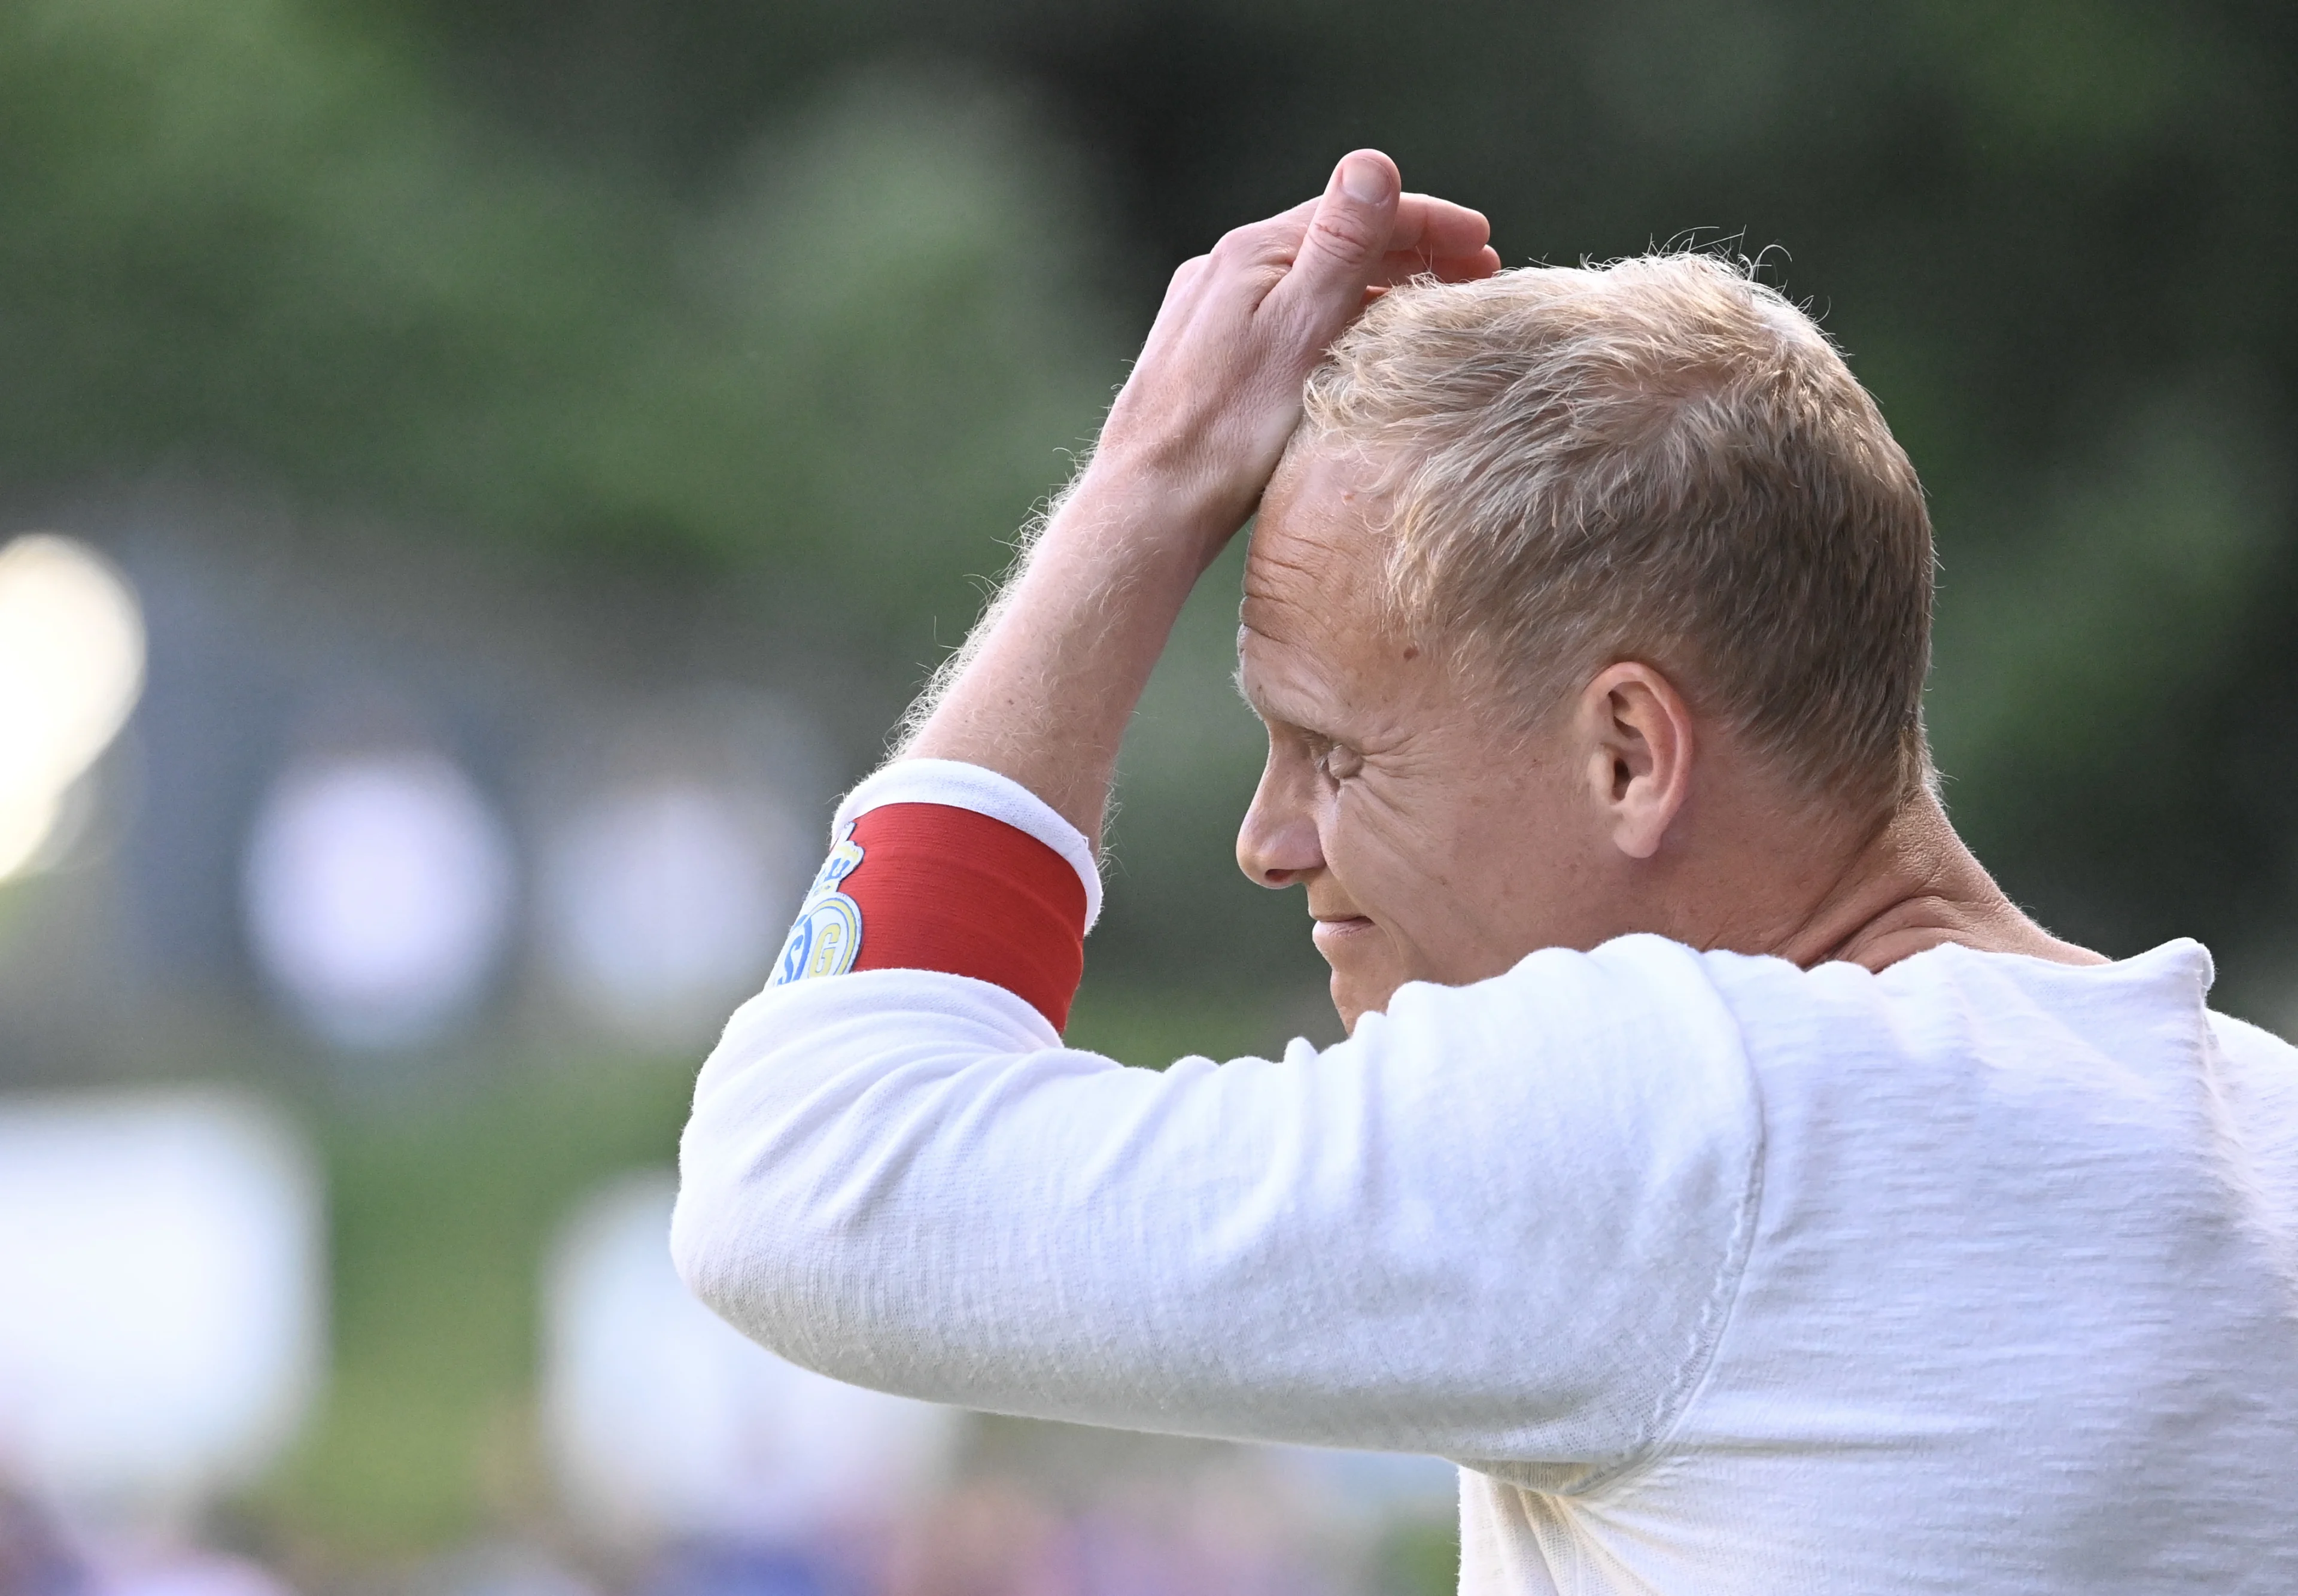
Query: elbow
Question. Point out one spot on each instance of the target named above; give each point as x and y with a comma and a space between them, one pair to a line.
742, 1248
789, 1199
729, 1254
703, 1248
761, 1277
732, 1263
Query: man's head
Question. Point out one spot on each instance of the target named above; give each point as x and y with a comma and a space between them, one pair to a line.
1585, 602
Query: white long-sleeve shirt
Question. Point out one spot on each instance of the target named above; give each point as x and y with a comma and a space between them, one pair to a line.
1715, 1274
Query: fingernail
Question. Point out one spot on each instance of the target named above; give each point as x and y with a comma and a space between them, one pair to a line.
1364, 181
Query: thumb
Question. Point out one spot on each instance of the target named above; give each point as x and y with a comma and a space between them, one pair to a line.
1348, 233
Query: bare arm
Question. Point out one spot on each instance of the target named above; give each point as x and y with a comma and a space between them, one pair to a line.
1044, 688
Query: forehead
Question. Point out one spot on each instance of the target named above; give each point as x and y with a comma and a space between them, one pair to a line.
1312, 620
1313, 567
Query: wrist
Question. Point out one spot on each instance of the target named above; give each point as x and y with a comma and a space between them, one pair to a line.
1152, 508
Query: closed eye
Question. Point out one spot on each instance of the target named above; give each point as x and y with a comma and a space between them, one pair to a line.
1336, 761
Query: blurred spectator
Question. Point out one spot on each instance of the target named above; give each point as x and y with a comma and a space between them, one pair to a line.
736, 1570
172, 1570
990, 1538
34, 1559
159, 1331
498, 1569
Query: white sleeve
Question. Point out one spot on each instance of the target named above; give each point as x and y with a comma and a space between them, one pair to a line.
1502, 1222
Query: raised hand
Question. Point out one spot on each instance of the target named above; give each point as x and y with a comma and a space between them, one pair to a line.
1216, 390
1044, 687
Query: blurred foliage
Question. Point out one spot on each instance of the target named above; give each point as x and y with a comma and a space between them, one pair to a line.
441, 1213
250, 239
1418, 1559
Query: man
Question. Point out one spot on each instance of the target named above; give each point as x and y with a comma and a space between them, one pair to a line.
1719, 1167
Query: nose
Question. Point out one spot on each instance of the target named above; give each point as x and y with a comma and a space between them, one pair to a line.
1278, 845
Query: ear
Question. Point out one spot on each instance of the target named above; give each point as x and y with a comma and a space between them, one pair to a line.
1638, 736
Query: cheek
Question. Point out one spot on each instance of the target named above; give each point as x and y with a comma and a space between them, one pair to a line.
1447, 882
1396, 869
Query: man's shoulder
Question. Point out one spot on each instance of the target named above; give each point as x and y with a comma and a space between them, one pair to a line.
2255, 1080
1951, 1014
1947, 1012
1953, 996
1973, 1055
2253, 1047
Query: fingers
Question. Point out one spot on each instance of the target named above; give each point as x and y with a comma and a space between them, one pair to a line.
1364, 233
1440, 239
1425, 236
1327, 257
1438, 227
1485, 263
1349, 234
1261, 242
1401, 266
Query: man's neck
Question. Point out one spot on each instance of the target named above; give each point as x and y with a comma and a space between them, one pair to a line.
1910, 887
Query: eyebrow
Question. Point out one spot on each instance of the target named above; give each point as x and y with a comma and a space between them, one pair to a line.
1257, 704
1253, 701
1271, 714
1236, 680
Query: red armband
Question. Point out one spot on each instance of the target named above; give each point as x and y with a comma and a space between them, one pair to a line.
917, 886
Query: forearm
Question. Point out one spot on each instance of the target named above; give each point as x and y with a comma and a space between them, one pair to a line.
1043, 689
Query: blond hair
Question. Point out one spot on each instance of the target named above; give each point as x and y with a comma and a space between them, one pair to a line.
1658, 459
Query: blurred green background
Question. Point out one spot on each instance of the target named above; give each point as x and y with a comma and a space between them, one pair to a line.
734, 342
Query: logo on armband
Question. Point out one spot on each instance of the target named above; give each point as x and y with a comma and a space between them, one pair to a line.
828, 934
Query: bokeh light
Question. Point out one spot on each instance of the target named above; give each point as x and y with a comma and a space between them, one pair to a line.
71, 666
379, 893
662, 904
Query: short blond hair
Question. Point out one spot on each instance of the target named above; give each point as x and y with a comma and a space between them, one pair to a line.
1661, 459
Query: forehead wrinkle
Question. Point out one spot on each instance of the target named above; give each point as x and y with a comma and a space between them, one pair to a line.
1278, 578
1298, 583
1326, 694
1255, 688
1309, 612
1312, 526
